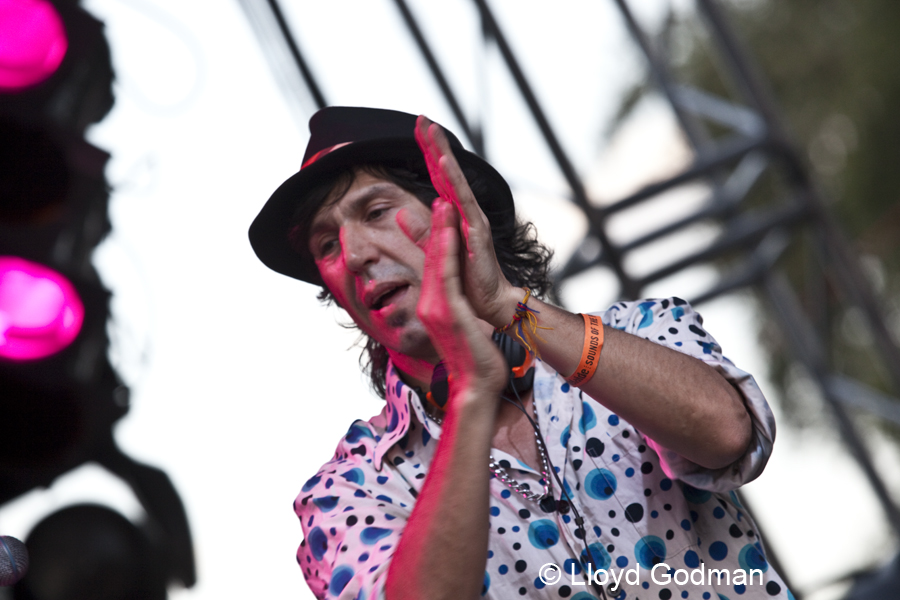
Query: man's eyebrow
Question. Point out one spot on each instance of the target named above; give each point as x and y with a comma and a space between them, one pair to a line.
385, 189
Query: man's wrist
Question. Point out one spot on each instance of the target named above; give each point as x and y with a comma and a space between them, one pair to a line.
507, 306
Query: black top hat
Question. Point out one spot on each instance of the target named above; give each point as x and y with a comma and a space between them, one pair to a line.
341, 137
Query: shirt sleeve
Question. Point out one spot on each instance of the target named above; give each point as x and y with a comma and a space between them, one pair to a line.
673, 323
351, 526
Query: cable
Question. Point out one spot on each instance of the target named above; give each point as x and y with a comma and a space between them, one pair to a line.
579, 520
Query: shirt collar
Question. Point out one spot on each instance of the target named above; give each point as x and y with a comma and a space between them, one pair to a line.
400, 399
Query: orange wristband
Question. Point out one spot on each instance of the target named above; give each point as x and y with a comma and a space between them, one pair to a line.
590, 355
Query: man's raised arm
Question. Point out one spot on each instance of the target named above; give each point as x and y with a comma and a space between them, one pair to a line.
678, 401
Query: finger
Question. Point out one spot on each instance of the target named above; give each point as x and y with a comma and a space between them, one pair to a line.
414, 226
429, 150
453, 178
444, 246
432, 152
440, 283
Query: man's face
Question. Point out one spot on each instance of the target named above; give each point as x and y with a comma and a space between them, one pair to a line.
370, 265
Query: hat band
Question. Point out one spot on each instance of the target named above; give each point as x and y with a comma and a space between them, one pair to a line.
322, 153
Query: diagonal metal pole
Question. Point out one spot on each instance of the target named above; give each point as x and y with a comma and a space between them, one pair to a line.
846, 266
595, 217
472, 133
288, 36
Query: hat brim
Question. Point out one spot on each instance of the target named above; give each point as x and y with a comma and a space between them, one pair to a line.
269, 232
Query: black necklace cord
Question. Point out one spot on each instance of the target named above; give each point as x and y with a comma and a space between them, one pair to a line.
579, 520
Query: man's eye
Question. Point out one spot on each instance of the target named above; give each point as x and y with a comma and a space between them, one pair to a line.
327, 246
375, 213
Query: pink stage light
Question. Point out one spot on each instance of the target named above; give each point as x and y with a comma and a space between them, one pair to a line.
40, 311
32, 43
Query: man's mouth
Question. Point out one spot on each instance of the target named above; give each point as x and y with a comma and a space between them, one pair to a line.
388, 295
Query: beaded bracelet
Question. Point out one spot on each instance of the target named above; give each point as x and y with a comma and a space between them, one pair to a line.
593, 344
524, 325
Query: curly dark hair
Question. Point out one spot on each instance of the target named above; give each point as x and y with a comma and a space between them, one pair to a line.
523, 259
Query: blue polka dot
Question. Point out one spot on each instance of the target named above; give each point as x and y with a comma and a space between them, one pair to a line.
654, 513
691, 559
357, 432
718, 550
616, 457
740, 589
600, 484
371, 535
571, 567
495, 512
543, 533
355, 475
327, 503
647, 549
629, 472
705, 595
381, 479
505, 494
600, 555
646, 314
515, 528
565, 387
718, 512
613, 420
340, 577
487, 583
313, 481
684, 594
503, 569
490, 554
686, 525
622, 562
317, 541
364, 557
751, 557
538, 584
564, 437
588, 418
665, 485
395, 420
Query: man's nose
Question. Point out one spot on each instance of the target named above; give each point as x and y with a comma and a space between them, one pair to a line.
359, 251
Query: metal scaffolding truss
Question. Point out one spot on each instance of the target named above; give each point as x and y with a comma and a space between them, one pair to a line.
753, 239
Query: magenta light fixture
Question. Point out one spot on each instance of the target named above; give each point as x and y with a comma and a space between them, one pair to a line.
40, 311
32, 43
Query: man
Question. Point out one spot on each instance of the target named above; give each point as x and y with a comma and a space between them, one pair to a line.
626, 443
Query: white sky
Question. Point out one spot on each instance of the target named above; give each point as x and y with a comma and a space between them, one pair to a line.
241, 382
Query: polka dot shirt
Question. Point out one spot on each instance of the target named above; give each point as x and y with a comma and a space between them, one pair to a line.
662, 525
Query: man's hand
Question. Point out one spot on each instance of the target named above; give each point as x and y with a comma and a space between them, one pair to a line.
490, 294
458, 335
